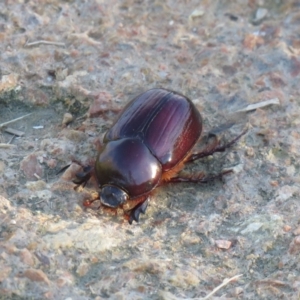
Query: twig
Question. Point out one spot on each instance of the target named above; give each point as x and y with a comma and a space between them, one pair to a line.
44, 42
38, 202
225, 282
168, 295
14, 132
7, 146
259, 105
11, 139
14, 120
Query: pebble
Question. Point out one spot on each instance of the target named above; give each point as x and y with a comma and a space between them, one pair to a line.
36, 185
101, 103
260, 15
287, 228
68, 118
52, 163
36, 275
250, 152
5, 272
70, 172
26, 257
223, 244
82, 269
31, 166
297, 231
65, 278
295, 245
184, 278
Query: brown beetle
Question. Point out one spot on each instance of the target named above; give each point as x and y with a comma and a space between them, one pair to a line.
147, 146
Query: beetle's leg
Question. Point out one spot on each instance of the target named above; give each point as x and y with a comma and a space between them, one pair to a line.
83, 177
89, 202
134, 214
200, 178
63, 169
214, 147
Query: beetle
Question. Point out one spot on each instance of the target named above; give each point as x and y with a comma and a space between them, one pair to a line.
147, 146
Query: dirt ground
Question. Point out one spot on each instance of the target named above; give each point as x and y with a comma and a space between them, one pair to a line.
73, 65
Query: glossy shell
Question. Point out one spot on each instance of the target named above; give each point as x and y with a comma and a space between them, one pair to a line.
128, 164
152, 135
167, 122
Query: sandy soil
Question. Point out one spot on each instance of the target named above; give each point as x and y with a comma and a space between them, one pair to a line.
87, 59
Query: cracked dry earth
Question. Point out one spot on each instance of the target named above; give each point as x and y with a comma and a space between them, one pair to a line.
73, 65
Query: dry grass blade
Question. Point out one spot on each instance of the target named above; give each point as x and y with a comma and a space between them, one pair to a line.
14, 120
225, 282
166, 295
43, 42
259, 105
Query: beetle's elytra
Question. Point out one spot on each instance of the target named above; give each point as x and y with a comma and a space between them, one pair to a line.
147, 146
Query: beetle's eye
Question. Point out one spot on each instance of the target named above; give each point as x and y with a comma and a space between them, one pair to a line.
112, 196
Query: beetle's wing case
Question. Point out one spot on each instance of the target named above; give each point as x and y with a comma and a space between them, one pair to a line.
167, 122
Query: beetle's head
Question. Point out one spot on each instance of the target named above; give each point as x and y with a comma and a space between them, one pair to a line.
112, 196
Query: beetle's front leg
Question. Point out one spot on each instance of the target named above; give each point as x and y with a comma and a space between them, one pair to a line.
83, 177
134, 213
89, 202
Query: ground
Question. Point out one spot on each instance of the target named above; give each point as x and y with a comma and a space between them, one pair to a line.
74, 65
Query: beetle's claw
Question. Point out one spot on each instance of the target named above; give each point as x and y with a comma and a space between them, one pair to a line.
63, 169
83, 177
139, 209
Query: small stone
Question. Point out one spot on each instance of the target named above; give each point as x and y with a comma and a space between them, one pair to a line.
252, 41
65, 279
26, 257
223, 244
238, 290
36, 275
57, 148
252, 227
5, 272
274, 183
52, 163
75, 136
297, 231
36, 185
31, 167
48, 295
8, 82
197, 13
101, 103
295, 245
287, 228
250, 152
70, 173
260, 15
11, 249
68, 118
82, 269
184, 278
61, 74
37, 97
190, 239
